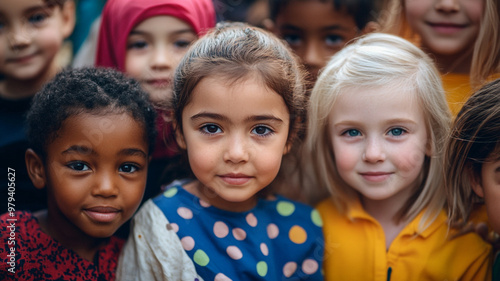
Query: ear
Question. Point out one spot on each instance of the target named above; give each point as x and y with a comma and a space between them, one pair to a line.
288, 147
370, 27
36, 169
269, 25
475, 182
68, 18
179, 137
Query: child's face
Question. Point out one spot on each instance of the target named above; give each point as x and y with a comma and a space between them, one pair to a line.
235, 137
96, 173
379, 141
315, 30
446, 27
154, 49
31, 34
489, 188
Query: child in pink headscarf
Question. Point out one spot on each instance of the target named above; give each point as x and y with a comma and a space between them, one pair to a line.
146, 39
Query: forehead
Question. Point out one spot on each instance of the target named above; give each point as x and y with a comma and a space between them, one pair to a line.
378, 101
163, 23
100, 129
314, 15
17, 7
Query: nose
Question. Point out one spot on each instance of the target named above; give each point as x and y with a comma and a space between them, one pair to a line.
20, 36
106, 184
374, 151
161, 59
447, 6
313, 57
237, 150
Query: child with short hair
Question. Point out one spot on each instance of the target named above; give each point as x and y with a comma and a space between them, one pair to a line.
378, 122
238, 96
317, 29
91, 132
461, 36
31, 35
473, 161
146, 40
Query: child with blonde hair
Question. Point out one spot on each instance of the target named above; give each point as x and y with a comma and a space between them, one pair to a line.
238, 96
378, 121
462, 37
473, 161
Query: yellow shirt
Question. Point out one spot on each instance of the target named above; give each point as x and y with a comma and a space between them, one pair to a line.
458, 89
355, 250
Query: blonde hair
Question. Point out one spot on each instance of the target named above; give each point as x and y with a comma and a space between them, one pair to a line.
486, 52
379, 60
473, 141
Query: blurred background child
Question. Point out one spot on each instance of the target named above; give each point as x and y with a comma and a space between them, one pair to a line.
31, 35
146, 40
473, 161
91, 132
462, 36
378, 121
317, 29
238, 96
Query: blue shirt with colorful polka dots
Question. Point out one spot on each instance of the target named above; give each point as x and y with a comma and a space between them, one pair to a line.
278, 239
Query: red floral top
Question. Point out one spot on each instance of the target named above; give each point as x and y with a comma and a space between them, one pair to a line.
27, 253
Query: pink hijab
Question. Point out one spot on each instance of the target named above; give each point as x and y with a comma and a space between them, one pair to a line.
119, 17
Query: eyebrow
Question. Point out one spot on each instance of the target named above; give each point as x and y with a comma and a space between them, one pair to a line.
326, 28
87, 150
391, 121
176, 32
220, 117
31, 9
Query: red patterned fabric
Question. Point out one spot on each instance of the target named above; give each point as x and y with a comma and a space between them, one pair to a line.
39, 257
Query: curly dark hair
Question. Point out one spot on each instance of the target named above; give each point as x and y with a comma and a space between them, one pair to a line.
98, 91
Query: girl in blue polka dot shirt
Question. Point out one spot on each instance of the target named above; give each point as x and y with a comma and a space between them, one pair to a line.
238, 101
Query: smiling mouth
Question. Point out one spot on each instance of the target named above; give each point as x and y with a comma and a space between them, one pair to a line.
235, 179
158, 83
447, 27
102, 214
22, 59
376, 177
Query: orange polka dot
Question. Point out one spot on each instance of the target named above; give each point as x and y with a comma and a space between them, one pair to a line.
297, 234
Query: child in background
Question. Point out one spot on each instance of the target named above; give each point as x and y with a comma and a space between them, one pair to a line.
461, 36
90, 133
473, 161
146, 40
238, 94
316, 29
31, 35
378, 122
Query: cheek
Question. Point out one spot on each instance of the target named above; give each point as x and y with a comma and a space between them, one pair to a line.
409, 159
474, 10
415, 10
49, 40
134, 65
346, 156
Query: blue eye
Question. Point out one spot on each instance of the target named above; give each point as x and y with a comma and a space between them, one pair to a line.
78, 166
211, 129
128, 168
353, 133
397, 131
262, 131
